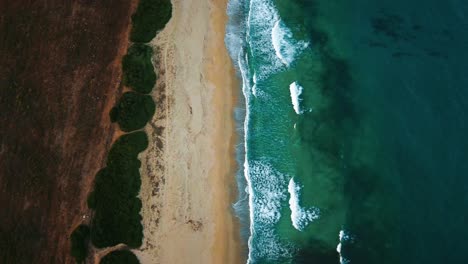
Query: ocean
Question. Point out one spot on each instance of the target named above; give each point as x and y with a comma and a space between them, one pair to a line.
354, 145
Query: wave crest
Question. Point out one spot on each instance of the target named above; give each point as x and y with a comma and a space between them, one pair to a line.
286, 47
296, 90
300, 217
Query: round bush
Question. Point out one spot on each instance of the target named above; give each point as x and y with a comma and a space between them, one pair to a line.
120, 257
79, 243
133, 111
138, 71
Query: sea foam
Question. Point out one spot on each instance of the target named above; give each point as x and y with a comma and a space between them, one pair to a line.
261, 19
343, 236
265, 186
286, 47
246, 91
296, 90
271, 42
300, 217
265, 196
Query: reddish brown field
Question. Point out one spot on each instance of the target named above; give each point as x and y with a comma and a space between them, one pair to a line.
59, 76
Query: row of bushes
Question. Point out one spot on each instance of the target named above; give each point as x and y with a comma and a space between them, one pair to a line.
135, 109
114, 199
117, 209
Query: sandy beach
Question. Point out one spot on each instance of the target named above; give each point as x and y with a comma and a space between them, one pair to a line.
188, 183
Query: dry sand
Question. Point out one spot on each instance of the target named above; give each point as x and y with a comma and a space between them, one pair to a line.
188, 182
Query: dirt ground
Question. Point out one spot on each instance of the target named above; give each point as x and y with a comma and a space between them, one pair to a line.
60, 74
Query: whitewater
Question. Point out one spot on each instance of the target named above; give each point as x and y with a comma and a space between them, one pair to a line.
262, 48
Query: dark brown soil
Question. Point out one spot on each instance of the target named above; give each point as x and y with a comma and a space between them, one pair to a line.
59, 76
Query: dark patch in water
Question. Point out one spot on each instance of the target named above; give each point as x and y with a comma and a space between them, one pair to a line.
337, 84
331, 131
326, 129
402, 54
320, 38
436, 54
372, 218
316, 252
391, 26
377, 44
417, 27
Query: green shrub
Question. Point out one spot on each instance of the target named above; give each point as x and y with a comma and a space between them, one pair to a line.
91, 200
150, 17
133, 111
114, 115
118, 222
120, 257
117, 216
126, 148
79, 243
138, 71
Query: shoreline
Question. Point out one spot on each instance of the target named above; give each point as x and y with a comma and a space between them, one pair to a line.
188, 171
221, 73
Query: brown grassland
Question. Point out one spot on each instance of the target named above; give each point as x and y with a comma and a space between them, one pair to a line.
60, 74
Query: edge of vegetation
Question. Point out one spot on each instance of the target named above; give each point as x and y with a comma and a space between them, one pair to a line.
120, 257
114, 198
150, 17
79, 243
138, 71
133, 111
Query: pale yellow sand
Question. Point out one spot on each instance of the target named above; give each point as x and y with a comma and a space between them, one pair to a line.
188, 180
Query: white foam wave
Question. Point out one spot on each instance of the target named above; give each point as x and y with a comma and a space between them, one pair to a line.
286, 47
235, 28
258, 92
268, 194
300, 217
276, 40
296, 90
265, 186
271, 42
254, 86
246, 92
265, 197
343, 238
261, 19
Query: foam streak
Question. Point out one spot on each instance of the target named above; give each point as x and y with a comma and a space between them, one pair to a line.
296, 90
300, 217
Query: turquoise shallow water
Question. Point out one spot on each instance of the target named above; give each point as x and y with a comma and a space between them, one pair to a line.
354, 125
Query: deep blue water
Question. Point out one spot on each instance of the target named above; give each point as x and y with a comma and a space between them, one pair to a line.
355, 123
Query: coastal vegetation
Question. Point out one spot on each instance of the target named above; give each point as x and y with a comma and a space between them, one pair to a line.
117, 218
138, 71
117, 209
79, 243
133, 111
150, 17
120, 257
